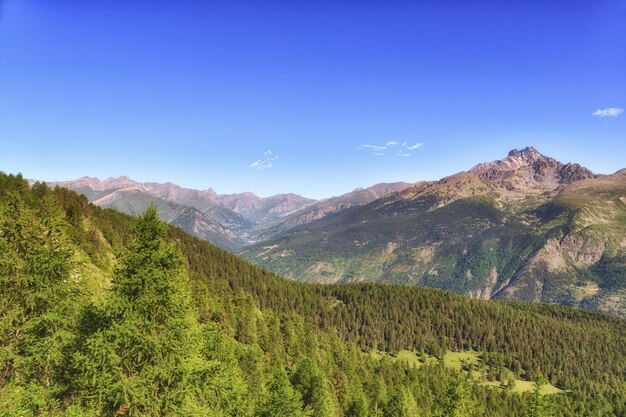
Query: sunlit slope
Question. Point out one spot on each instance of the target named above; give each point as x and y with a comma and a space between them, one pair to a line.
512, 236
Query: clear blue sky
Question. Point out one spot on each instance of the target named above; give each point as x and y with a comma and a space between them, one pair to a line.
195, 92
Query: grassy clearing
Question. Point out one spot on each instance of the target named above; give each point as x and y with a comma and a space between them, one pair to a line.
460, 361
589, 289
415, 358
457, 360
525, 386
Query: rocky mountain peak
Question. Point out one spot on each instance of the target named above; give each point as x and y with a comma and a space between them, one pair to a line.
529, 168
86, 181
529, 153
118, 182
528, 156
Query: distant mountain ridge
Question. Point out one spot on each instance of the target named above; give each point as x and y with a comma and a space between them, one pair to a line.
526, 227
135, 199
227, 220
326, 207
201, 213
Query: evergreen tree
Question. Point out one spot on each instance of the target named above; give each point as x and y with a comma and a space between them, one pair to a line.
357, 408
38, 302
143, 357
282, 399
312, 385
538, 406
458, 399
402, 404
221, 380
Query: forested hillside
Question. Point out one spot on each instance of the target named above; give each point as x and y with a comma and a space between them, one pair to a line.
524, 228
103, 315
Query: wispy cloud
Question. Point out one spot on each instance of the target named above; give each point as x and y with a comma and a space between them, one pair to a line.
373, 148
414, 147
266, 162
608, 112
401, 149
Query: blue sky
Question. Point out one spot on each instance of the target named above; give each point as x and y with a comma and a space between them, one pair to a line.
270, 96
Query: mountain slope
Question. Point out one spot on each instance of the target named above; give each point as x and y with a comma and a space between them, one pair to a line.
260, 210
205, 201
524, 228
326, 207
135, 201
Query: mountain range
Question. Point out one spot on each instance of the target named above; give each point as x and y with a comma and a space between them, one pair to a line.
526, 227
226, 220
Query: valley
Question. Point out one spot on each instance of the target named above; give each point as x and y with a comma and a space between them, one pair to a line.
133, 307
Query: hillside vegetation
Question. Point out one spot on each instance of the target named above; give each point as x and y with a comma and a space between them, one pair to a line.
525, 228
105, 315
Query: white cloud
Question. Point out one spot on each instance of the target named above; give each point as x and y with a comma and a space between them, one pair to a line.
608, 112
374, 148
266, 162
414, 147
402, 148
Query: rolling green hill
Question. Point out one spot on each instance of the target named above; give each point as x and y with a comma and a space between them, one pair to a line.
102, 314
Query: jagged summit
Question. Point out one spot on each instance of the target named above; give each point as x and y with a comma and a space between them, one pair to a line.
528, 153
529, 168
523, 173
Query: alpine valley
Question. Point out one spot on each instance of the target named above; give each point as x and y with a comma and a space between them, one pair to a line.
104, 314
526, 227
181, 236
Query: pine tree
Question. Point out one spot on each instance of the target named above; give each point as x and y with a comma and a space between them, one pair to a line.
35, 267
458, 399
538, 406
402, 404
221, 381
282, 399
313, 387
146, 351
38, 302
